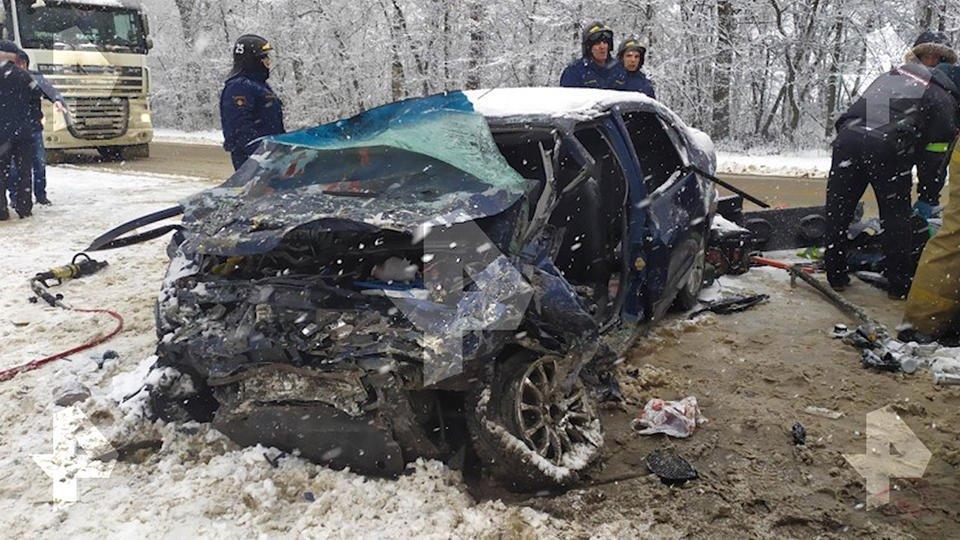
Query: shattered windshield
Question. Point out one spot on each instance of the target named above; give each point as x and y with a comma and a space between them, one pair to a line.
430, 161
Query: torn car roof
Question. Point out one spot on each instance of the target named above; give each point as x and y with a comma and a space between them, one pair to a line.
567, 106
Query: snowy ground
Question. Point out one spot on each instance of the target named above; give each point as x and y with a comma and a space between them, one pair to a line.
753, 373
210, 137
805, 164
198, 483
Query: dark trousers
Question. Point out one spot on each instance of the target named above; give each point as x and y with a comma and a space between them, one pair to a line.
17, 152
932, 170
39, 164
890, 176
238, 158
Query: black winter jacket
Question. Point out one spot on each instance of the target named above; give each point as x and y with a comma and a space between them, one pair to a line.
18, 92
904, 112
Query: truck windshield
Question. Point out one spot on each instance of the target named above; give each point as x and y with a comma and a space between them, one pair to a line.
81, 27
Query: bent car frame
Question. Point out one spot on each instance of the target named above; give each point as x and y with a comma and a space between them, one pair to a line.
437, 274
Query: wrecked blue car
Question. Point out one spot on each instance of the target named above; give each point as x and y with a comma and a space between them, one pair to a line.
436, 276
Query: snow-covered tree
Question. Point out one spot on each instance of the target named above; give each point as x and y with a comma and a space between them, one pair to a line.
748, 71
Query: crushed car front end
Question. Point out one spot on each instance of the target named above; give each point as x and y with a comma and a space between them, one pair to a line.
350, 289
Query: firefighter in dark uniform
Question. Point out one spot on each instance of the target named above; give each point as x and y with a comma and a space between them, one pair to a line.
249, 108
906, 117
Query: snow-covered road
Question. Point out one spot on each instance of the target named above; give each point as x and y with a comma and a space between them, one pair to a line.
197, 483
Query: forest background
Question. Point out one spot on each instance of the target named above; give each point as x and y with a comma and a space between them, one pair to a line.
752, 73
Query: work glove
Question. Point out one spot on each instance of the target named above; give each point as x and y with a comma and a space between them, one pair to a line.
926, 210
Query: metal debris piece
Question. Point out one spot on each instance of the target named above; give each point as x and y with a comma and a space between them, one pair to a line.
822, 412
732, 304
670, 468
872, 360
799, 434
945, 379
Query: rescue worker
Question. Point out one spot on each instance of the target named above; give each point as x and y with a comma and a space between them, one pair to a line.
632, 54
933, 306
249, 108
39, 161
905, 117
596, 68
17, 92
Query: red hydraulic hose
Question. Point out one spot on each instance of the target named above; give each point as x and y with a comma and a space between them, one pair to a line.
10, 373
763, 261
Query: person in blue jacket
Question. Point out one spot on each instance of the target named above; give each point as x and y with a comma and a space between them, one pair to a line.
632, 55
597, 68
39, 162
17, 92
249, 108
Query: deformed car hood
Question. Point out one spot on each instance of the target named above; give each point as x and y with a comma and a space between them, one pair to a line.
419, 163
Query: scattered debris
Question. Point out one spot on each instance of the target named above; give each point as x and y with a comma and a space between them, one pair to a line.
872, 360
674, 418
823, 412
107, 355
859, 338
946, 364
69, 393
799, 434
945, 379
669, 467
732, 304
874, 279
909, 364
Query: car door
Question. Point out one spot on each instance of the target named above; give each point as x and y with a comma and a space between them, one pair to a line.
676, 214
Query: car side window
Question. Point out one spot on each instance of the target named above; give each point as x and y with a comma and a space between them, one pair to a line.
655, 148
612, 180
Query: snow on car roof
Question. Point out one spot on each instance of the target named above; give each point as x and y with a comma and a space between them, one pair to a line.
129, 4
553, 102
581, 104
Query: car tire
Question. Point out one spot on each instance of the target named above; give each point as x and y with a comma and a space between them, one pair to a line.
503, 420
688, 295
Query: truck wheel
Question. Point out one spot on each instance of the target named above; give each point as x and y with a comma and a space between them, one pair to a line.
528, 431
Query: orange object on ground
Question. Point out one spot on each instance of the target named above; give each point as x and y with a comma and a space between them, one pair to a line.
763, 261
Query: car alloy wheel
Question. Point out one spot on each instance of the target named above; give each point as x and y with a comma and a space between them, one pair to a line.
695, 281
553, 421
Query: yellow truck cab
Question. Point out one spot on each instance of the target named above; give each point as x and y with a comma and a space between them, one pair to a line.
95, 53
